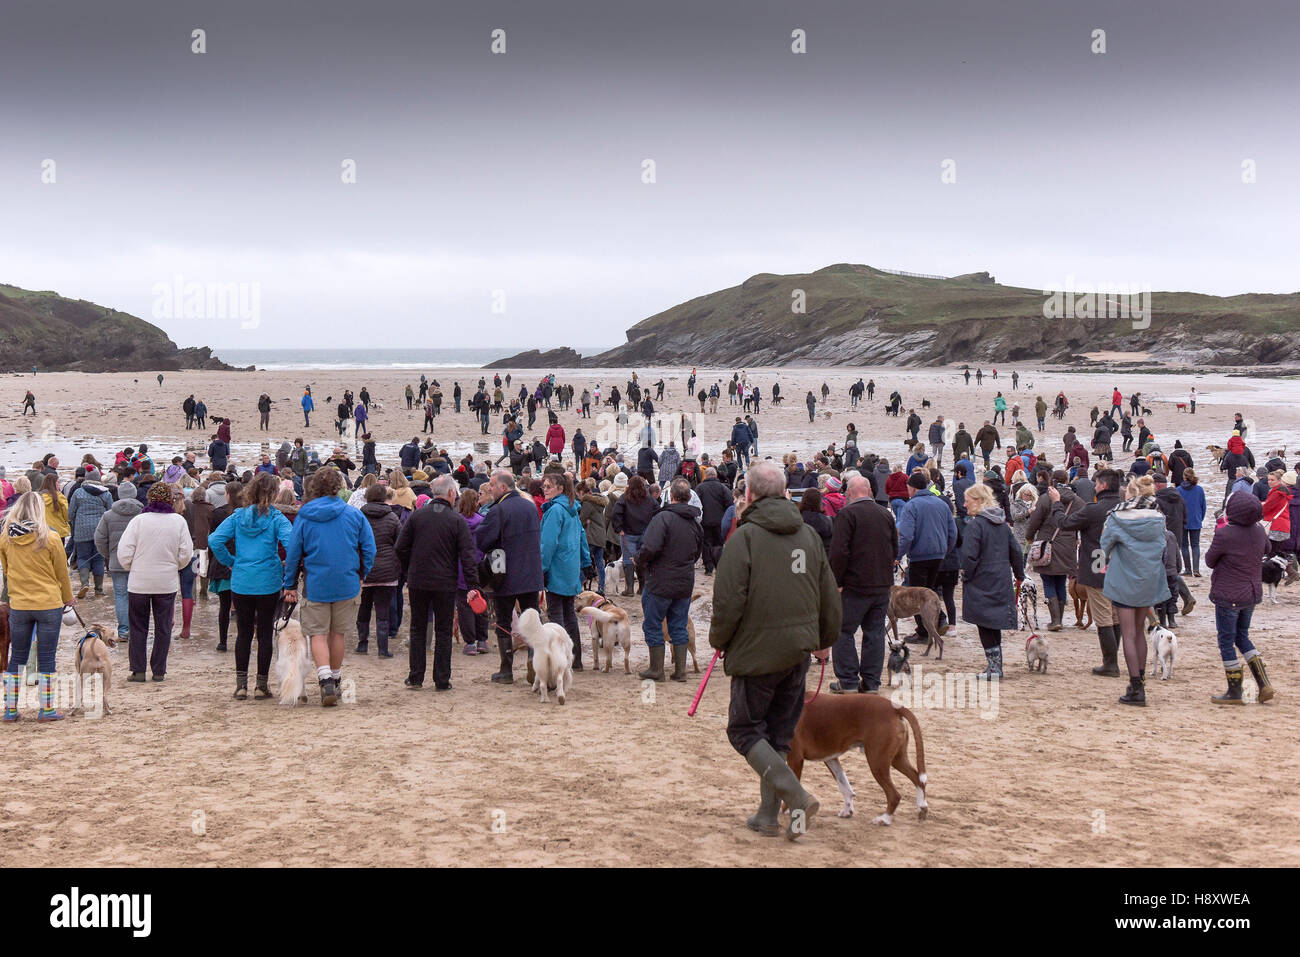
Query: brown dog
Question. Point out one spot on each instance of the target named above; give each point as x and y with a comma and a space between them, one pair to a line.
832, 725
91, 658
1081, 611
905, 601
610, 627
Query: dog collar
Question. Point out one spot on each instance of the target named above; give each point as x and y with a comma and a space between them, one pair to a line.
85, 638
600, 602
1031, 637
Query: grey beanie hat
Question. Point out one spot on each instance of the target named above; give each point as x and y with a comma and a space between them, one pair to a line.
125, 490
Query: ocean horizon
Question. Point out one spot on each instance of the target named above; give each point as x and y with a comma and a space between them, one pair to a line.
280, 359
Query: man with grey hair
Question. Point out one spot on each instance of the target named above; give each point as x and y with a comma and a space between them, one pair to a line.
774, 603
510, 537
864, 544
669, 547
434, 545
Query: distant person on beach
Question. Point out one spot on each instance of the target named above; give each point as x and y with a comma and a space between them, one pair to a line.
29, 402
160, 380
308, 407
264, 412
200, 414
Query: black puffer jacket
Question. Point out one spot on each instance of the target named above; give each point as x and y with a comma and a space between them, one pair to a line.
386, 528
433, 547
671, 544
632, 518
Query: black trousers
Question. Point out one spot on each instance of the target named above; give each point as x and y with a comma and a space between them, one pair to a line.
473, 626
254, 615
379, 599
443, 605
766, 708
505, 606
712, 546
559, 609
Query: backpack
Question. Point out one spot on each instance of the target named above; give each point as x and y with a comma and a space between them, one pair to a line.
689, 471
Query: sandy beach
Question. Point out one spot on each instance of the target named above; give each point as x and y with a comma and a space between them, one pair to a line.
1057, 774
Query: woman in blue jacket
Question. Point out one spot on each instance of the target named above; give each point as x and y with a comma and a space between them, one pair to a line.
1194, 499
1133, 541
257, 532
563, 555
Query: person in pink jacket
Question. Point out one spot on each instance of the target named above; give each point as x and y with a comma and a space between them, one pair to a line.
555, 438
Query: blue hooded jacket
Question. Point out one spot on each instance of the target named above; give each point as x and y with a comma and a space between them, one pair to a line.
1134, 543
926, 528
563, 548
334, 545
255, 567
1194, 500
308, 406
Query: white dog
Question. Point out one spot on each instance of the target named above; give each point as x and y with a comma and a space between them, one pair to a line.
1166, 646
293, 663
552, 652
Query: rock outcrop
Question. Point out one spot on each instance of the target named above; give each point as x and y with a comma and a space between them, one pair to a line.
54, 334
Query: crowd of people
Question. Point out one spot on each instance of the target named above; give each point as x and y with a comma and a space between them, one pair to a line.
542, 523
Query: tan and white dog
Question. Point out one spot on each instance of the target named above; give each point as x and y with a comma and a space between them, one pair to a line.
552, 652
91, 658
610, 627
293, 663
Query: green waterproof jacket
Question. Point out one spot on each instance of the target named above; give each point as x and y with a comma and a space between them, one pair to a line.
774, 596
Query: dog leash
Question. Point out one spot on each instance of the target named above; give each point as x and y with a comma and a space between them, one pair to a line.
699, 692
819, 683
283, 613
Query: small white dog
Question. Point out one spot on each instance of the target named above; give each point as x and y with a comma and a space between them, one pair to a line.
552, 652
1166, 647
1036, 652
293, 663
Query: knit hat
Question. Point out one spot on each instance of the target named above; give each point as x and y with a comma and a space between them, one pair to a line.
92, 474
620, 480
160, 492
917, 480
1160, 478
990, 474
125, 491
834, 484
1288, 478
421, 501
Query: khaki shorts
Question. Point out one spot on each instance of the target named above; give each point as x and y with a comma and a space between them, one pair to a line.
1103, 612
329, 617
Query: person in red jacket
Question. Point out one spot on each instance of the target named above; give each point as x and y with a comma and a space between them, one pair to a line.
555, 438
897, 489
1117, 402
1277, 513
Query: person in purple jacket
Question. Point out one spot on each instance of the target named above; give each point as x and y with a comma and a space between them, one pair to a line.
1235, 557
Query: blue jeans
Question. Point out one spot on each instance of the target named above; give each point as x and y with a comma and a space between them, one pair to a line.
868, 613
1054, 586
598, 559
1233, 625
896, 506
121, 606
742, 455
656, 610
89, 560
187, 580
630, 544
1042, 423
46, 623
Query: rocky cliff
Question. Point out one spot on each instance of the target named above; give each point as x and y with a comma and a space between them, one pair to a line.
52, 333
856, 315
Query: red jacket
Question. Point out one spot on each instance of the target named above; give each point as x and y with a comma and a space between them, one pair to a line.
555, 439
1277, 510
1116, 398
896, 485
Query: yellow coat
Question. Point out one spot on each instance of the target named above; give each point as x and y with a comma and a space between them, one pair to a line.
37, 578
58, 521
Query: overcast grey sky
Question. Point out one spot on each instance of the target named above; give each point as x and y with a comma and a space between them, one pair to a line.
522, 171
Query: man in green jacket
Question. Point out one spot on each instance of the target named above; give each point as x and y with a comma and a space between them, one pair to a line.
774, 603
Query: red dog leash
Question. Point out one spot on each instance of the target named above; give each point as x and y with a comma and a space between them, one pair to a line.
699, 692
819, 683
